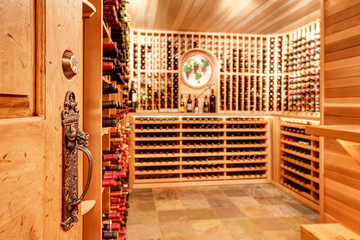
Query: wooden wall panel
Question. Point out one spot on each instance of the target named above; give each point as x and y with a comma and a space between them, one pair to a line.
341, 106
226, 16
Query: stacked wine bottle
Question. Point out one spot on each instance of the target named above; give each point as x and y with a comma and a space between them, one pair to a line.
118, 100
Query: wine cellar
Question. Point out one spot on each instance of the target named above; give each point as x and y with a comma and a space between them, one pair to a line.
174, 119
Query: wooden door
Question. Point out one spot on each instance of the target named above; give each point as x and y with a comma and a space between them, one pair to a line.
33, 36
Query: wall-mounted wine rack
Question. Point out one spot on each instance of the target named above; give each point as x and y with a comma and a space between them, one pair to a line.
299, 159
194, 149
258, 73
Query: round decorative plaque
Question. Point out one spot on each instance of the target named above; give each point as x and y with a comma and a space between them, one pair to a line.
196, 70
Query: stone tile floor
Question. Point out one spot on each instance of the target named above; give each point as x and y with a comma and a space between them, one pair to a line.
240, 212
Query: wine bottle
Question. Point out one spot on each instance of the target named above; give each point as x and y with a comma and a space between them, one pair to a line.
196, 106
212, 102
182, 104
110, 88
206, 105
132, 98
110, 104
110, 122
162, 100
189, 104
110, 235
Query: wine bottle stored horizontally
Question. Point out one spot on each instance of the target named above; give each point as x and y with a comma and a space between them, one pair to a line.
110, 88
110, 122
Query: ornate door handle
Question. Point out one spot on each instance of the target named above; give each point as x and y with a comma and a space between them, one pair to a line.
72, 141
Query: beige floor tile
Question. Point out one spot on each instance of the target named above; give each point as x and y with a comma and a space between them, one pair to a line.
143, 231
195, 203
301, 208
255, 211
268, 200
270, 224
164, 189
202, 213
190, 195
282, 210
228, 212
240, 226
282, 235
180, 238
172, 215
142, 196
212, 193
159, 196
256, 192
175, 229
142, 206
208, 227
245, 201
251, 236
169, 205
238, 212
222, 236
235, 192
295, 223
148, 217
220, 202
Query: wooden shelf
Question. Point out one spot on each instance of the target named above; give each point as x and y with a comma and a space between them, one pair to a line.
343, 132
246, 130
88, 9
105, 80
313, 148
104, 131
301, 164
86, 206
327, 231
304, 194
347, 135
298, 135
106, 32
156, 147
246, 177
220, 157
306, 156
307, 176
154, 164
308, 147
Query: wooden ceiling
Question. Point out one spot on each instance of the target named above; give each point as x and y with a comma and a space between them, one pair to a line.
229, 16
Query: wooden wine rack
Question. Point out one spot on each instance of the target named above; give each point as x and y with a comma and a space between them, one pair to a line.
257, 73
300, 161
198, 148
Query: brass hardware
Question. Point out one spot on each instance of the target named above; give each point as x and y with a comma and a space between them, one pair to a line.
70, 64
72, 140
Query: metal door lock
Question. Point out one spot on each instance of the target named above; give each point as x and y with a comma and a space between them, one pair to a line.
70, 64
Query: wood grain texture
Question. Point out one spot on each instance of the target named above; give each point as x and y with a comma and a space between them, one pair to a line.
17, 64
341, 106
246, 16
93, 39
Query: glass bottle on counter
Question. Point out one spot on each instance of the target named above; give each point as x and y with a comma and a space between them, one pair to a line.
196, 105
206, 105
189, 104
182, 104
212, 102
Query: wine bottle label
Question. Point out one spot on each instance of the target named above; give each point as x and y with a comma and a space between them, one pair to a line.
134, 97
